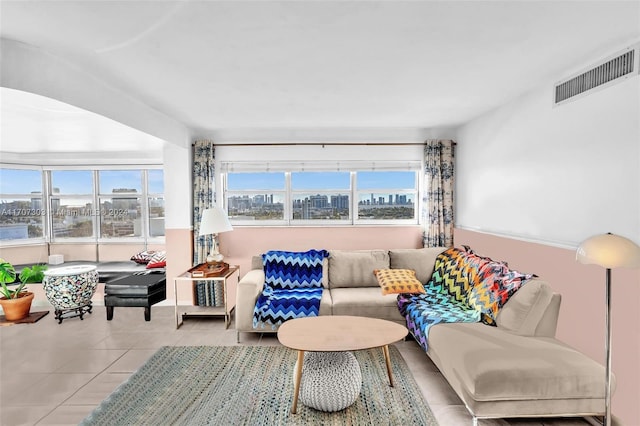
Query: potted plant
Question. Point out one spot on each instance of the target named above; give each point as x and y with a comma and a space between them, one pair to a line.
16, 302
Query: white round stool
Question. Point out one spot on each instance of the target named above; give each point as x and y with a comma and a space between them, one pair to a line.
331, 381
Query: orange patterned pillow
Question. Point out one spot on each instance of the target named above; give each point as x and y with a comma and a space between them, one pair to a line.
393, 281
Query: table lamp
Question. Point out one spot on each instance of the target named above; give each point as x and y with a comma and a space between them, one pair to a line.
609, 251
214, 221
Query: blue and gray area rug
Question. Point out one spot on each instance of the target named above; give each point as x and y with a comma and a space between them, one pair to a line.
253, 385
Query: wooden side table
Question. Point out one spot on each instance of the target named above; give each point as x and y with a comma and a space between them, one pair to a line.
229, 288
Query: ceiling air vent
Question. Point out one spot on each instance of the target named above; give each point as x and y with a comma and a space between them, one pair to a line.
614, 69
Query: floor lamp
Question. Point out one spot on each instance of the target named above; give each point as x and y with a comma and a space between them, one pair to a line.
214, 220
609, 251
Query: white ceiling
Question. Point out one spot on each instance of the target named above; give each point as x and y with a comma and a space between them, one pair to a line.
250, 71
34, 123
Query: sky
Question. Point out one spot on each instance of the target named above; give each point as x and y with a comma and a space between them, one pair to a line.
322, 180
18, 181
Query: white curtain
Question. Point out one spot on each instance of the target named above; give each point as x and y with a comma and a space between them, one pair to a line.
437, 211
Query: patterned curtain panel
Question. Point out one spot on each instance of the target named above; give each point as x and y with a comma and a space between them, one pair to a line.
437, 210
204, 195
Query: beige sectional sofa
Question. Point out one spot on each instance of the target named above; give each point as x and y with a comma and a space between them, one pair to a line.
514, 369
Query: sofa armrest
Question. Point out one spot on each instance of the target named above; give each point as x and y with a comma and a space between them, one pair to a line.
524, 311
549, 322
249, 288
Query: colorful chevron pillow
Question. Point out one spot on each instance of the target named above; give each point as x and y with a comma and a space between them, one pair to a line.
288, 270
398, 281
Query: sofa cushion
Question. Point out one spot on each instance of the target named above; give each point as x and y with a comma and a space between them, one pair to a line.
365, 302
396, 281
256, 262
420, 260
524, 310
490, 364
136, 285
355, 268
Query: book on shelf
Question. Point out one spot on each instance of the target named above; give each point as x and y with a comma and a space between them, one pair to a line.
200, 293
209, 293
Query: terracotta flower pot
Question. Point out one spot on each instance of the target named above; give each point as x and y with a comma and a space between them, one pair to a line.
17, 309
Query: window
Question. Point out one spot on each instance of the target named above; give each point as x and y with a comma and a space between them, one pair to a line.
22, 212
155, 200
120, 203
81, 204
322, 197
388, 195
256, 197
71, 204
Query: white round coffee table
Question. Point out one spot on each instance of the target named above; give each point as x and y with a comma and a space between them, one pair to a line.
337, 333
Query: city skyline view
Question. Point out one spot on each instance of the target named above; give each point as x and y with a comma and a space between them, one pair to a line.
123, 207
322, 195
73, 209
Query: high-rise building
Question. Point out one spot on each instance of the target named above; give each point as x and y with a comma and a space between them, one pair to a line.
340, 202
319, 201
306, 207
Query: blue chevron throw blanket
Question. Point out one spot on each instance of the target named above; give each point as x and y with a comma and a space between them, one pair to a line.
292, 288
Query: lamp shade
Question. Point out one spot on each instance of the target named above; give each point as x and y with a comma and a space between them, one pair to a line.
214, 220
609, 251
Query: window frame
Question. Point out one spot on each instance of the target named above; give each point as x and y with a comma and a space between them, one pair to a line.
249, 192
140, 197
27, 197
353, 193
51, 196
328, 192
416, 192
48, 197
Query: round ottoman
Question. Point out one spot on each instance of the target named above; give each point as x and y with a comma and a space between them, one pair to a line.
331, 381
70, 289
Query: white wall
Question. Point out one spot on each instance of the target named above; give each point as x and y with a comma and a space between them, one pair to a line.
557, 176
331, 151
177, 186
553, 175
30, 69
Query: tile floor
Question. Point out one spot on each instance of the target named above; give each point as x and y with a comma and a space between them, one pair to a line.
55, 374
